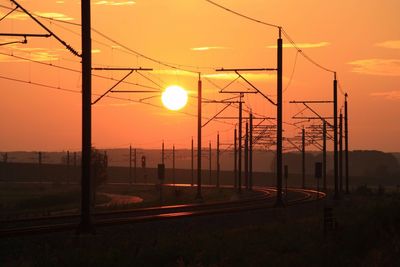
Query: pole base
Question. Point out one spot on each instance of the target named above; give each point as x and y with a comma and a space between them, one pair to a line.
336, 197
279, 204
199, 198
86, 228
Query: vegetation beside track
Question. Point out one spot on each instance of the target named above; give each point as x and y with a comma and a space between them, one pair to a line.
21, 200
368, 235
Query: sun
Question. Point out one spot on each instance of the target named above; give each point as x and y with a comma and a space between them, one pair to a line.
174, 97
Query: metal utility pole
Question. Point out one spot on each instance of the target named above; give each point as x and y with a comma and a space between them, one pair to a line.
246, 156
134, 166
173, 164
210, 162
199, 96
286, 175
130, 164
68, 167
192, 165
346, 143
256, 91
324, 154
235, 158
218, 166
251, 152
335, 139
240, 145
162, 152
341, 152
303, 158
86, 220
279, 201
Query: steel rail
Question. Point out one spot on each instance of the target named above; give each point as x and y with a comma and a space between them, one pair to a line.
171, 212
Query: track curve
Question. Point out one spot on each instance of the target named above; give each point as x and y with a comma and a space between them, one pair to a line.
264, 200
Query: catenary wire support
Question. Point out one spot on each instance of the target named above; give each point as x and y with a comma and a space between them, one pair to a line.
25, 35
67, 46
131, 70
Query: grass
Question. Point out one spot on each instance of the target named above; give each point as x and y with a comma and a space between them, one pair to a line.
19, 200
170, 195
25, 200
368, 235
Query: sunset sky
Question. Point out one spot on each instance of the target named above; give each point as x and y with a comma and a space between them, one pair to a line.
358, 39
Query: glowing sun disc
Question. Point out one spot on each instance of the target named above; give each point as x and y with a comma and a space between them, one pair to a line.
174, 97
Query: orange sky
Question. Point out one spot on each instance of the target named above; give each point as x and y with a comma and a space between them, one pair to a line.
360, 41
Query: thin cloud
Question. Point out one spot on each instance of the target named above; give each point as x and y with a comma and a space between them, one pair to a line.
392, 95
33, 53
207, 48
115, 3
42, 56
302, 45
54, 15
376, 66
392, 44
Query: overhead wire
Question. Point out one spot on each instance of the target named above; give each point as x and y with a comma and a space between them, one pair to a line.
179, 66
107, 96
293, 43
275, 26
6, 15
292, 74
242, 15
74, 70
304, 54
94, 75
175, 66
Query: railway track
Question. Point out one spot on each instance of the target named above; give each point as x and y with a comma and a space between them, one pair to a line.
51, 224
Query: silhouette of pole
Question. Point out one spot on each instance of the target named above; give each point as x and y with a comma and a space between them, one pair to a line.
68, 167
240, 145
346, 143
341, 152
192, 165
335, 138
303, 158
279, 201
130, 163
235, 158
218, 166
134, 166
286, 176
74, 159
173, 164
324, 154
209, 162
162, 152
251, 152
199, 139
246, 156
86, 221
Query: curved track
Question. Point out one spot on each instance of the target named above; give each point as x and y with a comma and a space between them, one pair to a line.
264, 200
